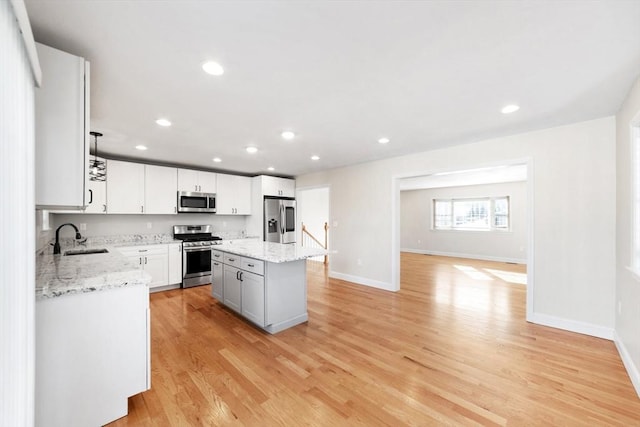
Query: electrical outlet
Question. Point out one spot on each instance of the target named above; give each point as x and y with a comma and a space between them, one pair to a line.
149, 225
335, 224
83, 226
419, 241
359, 261
619, 308
224, 224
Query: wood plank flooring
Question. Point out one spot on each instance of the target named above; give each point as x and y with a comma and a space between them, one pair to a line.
451, 348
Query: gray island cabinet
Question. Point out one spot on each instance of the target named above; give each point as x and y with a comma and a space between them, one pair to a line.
264, 282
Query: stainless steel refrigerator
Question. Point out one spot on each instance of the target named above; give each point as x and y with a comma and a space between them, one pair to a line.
279, 220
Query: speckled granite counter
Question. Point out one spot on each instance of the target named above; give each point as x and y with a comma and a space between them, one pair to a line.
58, 275
268, 251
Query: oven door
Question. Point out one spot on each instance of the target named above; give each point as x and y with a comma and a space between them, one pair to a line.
196, 266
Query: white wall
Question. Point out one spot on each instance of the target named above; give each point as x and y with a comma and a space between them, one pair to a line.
17, 218
627, 320
417, 235
225, 226
572, 177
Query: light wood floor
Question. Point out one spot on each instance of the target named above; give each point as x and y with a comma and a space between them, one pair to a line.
451, 348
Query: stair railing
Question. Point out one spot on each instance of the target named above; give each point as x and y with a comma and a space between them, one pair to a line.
309, 240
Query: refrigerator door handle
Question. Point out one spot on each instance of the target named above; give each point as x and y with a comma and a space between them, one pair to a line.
281, 222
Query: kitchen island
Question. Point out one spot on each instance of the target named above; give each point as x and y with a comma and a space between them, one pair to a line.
92, 337
264, 282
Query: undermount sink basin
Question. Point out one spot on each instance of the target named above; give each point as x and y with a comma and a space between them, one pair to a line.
86, 251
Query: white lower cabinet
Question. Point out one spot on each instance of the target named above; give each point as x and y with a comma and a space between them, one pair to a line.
272, 295
253, 297
175, 263
154, 259
217, 276
242, 285
93, 353
232, 288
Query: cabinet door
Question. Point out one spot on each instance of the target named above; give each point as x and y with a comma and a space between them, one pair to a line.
217, 280
232, 288
187, 180
125, 187
175, 263
207, 182
253, 297
287, 187
160, 190
157, 267
234, 195
97, 197
136, 259
62, 130
279, 187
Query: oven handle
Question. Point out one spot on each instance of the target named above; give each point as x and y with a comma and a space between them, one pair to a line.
198, 249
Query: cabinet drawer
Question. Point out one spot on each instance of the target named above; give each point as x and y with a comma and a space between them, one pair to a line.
145, 249
253, 265
217, 256
235, 260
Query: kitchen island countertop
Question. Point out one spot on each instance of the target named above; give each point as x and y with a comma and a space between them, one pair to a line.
269, 251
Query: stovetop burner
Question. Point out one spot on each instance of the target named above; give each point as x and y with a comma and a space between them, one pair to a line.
196, 235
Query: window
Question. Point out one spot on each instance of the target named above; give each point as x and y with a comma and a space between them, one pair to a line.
487, 213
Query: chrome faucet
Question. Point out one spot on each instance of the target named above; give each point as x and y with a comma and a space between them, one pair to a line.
56, 246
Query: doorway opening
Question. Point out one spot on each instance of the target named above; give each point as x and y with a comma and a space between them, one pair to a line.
468, 226
313, 219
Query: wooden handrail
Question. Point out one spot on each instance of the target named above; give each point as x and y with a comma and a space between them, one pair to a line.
318, 242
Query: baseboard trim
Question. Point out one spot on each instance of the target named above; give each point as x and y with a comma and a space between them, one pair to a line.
362, 281
461, 255
573, 326
632, 369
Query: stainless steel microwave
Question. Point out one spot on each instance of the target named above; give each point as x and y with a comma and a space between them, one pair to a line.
196, 202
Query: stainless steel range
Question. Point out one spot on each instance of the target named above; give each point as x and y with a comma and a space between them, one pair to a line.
197, 241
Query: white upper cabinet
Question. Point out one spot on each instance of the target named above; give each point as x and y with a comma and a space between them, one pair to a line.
125, 187
160, 190
134, 188
97, 197
282, 187
234, 195
197, 181
62, 130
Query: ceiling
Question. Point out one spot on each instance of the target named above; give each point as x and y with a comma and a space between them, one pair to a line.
340, 74
485, 175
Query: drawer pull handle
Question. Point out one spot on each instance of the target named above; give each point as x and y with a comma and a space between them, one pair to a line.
251, 265
232, 259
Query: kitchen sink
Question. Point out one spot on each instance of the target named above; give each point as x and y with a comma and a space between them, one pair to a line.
86, 251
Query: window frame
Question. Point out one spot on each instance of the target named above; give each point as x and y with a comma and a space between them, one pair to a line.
491, 217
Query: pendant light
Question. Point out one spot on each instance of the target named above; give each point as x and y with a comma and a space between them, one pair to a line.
97, 168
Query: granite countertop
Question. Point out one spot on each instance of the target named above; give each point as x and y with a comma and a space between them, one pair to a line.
58, 275
269, 251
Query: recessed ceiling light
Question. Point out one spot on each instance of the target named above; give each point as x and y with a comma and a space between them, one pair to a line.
213, 68
163, 122
315, 158
251, 150
141, 147
271, 168
287, 134
217, 159
384, 140
510, 109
